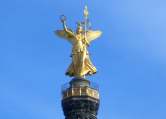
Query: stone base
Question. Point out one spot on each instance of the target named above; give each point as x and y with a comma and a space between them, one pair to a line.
80, 106
79, 82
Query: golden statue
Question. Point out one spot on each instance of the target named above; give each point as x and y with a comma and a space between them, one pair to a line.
81, 64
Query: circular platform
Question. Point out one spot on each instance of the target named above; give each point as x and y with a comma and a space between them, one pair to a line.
80, 100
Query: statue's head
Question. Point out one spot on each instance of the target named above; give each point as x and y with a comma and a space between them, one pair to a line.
79, 28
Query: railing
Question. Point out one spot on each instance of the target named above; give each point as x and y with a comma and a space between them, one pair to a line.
91, 85
80, 91
91, 90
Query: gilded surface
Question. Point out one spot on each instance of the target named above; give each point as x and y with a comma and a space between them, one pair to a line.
81, 64
81, 91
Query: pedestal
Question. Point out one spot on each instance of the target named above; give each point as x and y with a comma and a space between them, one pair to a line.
80, 100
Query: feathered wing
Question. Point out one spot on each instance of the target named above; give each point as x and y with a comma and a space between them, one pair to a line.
64, 35
92, 35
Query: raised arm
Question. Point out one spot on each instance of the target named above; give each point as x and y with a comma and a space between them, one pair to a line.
68, 31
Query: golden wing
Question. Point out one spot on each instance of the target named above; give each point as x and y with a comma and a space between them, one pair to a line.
92, 35
63, 34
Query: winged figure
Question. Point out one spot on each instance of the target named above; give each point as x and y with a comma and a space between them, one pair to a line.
81, 64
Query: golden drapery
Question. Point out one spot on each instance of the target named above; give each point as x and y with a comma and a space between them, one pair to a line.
81, 64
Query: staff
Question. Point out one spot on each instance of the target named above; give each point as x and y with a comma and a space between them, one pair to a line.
86, 13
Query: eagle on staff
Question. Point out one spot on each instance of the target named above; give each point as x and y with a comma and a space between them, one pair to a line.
81, 65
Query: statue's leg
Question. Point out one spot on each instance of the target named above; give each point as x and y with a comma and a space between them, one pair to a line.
75, 64
80, 64
90, 68
78, 61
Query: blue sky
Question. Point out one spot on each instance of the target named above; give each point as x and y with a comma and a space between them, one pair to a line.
130, 57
